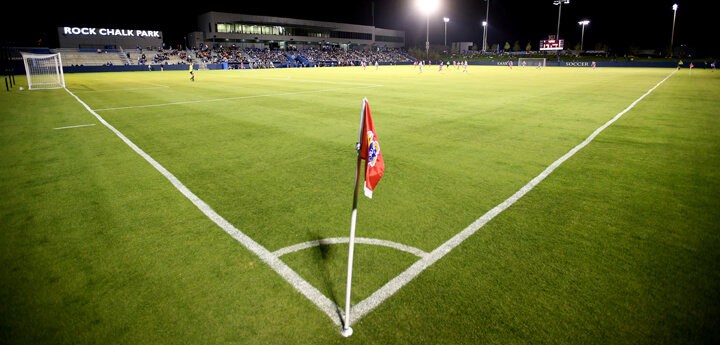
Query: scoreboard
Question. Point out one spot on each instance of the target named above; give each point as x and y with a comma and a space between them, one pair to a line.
552, 43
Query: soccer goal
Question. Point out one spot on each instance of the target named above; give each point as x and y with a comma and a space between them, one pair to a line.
531, 62
44, 71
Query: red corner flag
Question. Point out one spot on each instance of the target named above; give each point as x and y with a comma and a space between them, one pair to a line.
368, 149
370, 152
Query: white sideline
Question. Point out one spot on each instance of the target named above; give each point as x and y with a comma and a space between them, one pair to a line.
398, 282
315, 296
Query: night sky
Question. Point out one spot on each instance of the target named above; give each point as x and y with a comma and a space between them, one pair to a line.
645, 24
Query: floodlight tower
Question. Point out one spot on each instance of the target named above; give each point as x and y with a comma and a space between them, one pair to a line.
559, 3
582, 36
672, 37
428, 6
446, 20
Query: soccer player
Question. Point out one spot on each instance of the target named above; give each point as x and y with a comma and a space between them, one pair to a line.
539, 65
712, 65
593, 65
192, 72
420, 66
440, 70
524, 63
510, 64
376, 65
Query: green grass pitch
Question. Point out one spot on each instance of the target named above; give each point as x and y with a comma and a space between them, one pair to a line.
620, 244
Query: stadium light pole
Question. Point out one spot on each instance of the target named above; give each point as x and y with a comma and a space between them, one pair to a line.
428, 6
446, 20
485, 24
559, 3
582, 36
484, 36
672, 37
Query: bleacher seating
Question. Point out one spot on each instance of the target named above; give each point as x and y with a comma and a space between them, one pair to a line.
76, 57
258, 58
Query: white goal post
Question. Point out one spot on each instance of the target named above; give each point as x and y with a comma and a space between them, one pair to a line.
532, 62
44, 71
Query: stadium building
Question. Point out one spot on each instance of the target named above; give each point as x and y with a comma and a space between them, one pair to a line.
251, 31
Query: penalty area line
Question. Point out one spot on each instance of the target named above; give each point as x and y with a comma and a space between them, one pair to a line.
238, 98
379, 296
92, 124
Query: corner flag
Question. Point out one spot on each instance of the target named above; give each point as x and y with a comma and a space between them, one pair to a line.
368, 149
370, 152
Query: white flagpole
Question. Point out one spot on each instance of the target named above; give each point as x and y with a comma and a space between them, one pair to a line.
346, 330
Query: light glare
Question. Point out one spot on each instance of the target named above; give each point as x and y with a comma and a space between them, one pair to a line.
428, 6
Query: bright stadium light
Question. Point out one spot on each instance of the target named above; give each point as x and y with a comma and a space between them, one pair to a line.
428, 6
446, 20
672, 37
582, 37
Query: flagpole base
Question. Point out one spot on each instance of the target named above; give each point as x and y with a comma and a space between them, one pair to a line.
346, 332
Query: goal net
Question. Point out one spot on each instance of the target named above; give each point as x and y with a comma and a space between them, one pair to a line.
534, 62
44, 71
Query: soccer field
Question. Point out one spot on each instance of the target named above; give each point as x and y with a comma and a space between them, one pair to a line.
562, 205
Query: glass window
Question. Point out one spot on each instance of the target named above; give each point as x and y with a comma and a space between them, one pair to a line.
221, 27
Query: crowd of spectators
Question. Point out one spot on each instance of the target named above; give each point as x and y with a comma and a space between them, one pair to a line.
269, 58
161, 57
342, 57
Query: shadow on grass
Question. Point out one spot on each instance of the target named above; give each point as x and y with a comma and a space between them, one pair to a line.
324, 254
